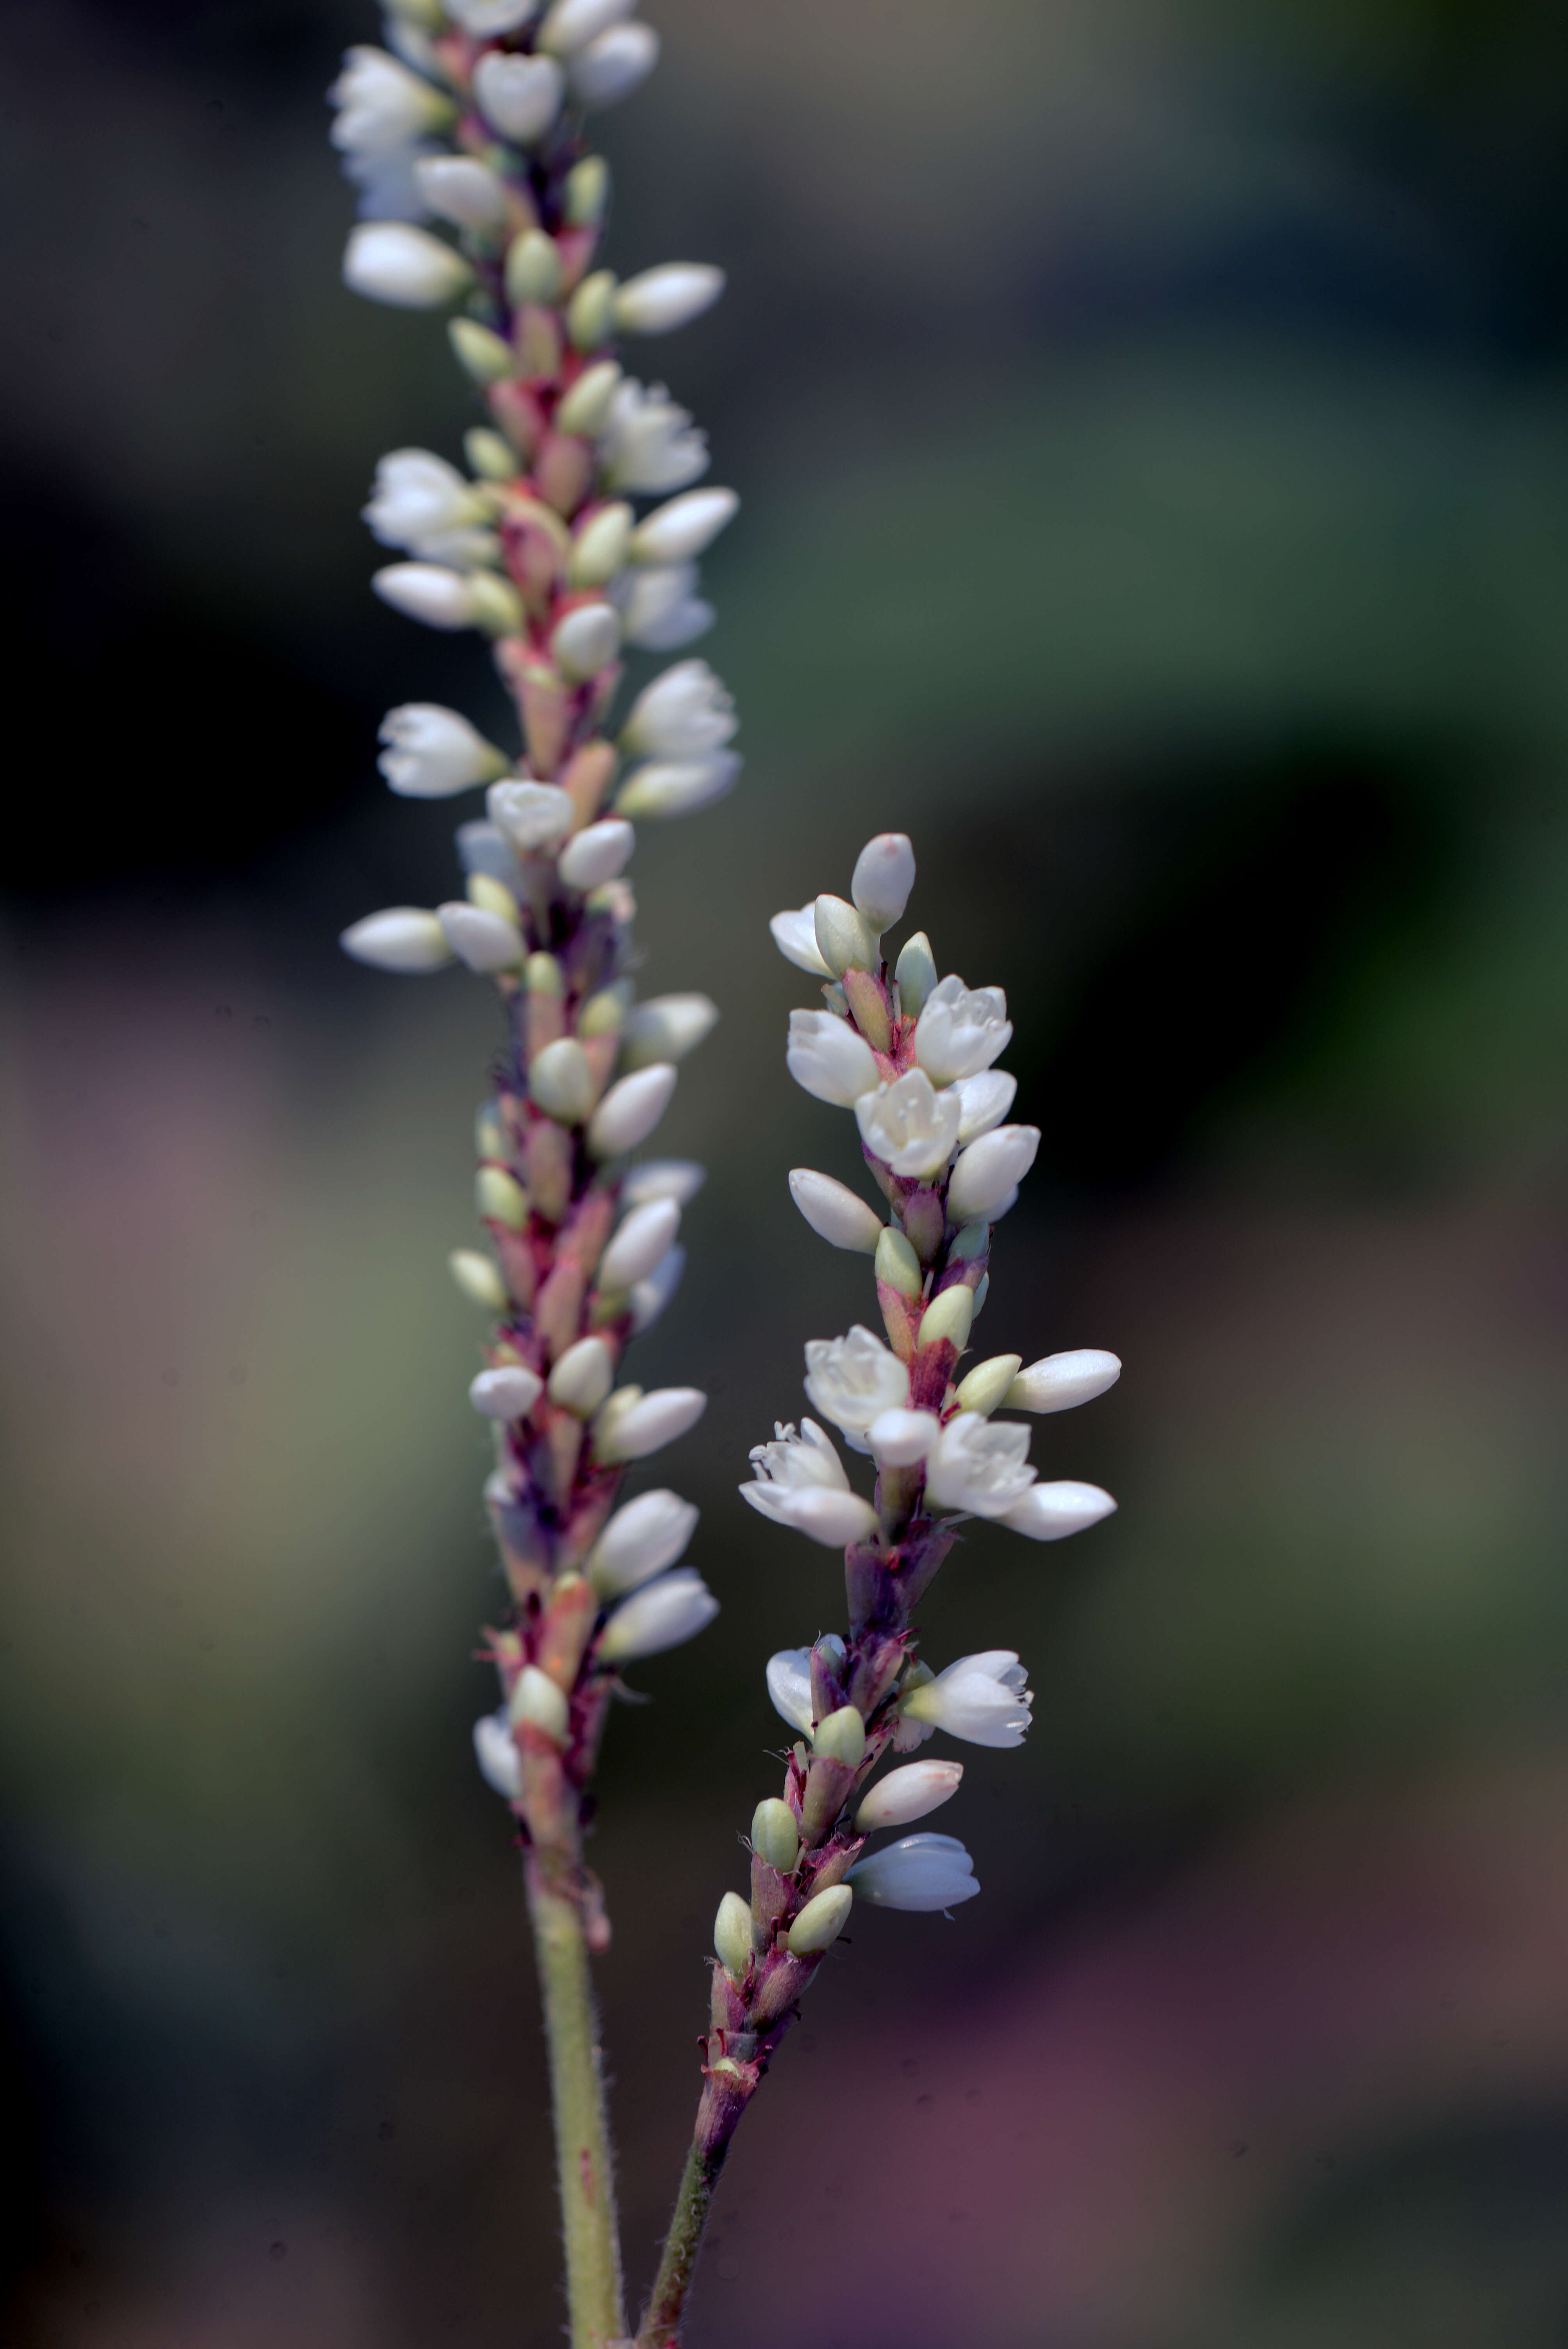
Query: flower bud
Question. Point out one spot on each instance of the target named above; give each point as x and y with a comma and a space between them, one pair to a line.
586, 641
612, 66
479, 1279
666, 1028
821, 1923
924, 1872
490, 1131
948, 1317
591, 313
507, 1393
678, 787
391, 262
834, 1212
571, 25
660, 301
679, 1179
897, 1263
1051, 1512
989, 1384
532, 816
829, 1060
532, 268
560, 1082
988, 1169
518, 96
603, 1014
661, 1615
545, 976
583, 1377
403, 938
458, 188
500, 1199
841, 1737
586, 196
915, 974
485, 941
775, 1837
598, 855
640, 1541
536, 1699
1061, 1380
884, 877
599, 549
585, 409
845, 939
637, 1247
497, 1755
480, 354
732, 1935
904, 1795
684, 528
630, 1110
648, 1423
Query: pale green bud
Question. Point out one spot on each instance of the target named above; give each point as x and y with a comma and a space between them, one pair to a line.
536, 1699
603, 1014
732, 1935
981, 1294
915, 973
493, 604
544, 975
585, 409
500, 1199
587, 192
490, 1133
583, 1377
845, 940
988, 1384
599, 549
898, 1263
493, 458
484, 889
774, 1834
562, 1083
948, 1316
971, 1241
480, 354
532, 268
477, 1278
591, 313
821, 1923
841, 1737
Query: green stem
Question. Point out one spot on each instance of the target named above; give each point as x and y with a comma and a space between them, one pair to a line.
593, 2288
661, 2327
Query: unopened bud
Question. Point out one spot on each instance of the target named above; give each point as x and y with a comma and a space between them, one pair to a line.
971, 1242
897, 1263
532, 268
480, 354
493, 604
845, 940
544, 976
841, 1737
536, 1699
561, 1084
591, 313
586, 641
884, 877
915, 973
500, 1199
774, 1834
821, 1923
493, 458
599, 549
948, 1317
988, 1384
493, 896
490, 1133
583, 1377
587, 192
732, 1935
584, 411
477, 1278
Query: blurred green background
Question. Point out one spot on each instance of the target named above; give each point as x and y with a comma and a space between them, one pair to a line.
1151, 416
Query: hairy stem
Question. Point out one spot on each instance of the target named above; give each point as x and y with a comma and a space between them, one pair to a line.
588, 2220
661, 2327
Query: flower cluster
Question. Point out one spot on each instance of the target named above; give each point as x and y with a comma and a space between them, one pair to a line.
472, 118
913, 1056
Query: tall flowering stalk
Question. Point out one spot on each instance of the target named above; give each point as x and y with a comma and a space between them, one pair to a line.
913, 1056
473, 118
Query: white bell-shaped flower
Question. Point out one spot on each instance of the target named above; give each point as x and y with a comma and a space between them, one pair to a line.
908, 1125
853, 1380
424, 505
381, 104
432, 752
684, 714
983, 1699
800, 1483
650, 445
980, 1466
922, 1872
961, 1030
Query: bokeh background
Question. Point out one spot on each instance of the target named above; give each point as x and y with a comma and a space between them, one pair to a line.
1150, 416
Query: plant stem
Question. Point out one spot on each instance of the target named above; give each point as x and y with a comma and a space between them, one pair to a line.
593, 2289
661, 2327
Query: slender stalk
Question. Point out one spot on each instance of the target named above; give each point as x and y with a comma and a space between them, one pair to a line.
593, 2287
660, 2327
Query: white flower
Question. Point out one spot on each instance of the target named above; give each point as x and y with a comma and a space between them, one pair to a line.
640, 1541
649, 1297
853, 1380
541, 1704
651, 1423
630, 1110
884, 877
659, 610
679, 1179
684, 714
532, 816
520, 95
662, 300
1050, 1512
666, 1028
800, 1482
458, 189
663, 790
391, 262
908, 1125
904, 1795
961, 1030
661, 1614
486, 941
495, 1751
423, 504
381, 105
789, 1686
829, 1059
989, 1170
402, 938
650, 445
507, 1393
983, 1699
613, 66
583, 1377
424, 591
1059, 1381
598, 854
834, 1212
646, 1235
571, 24
979, 1466
985, 1102
795, 936
685, 528
432, 754
922, 1872
485, 19
899, 1438
387, 179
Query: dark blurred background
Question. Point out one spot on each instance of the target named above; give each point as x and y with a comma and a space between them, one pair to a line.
1151, 416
